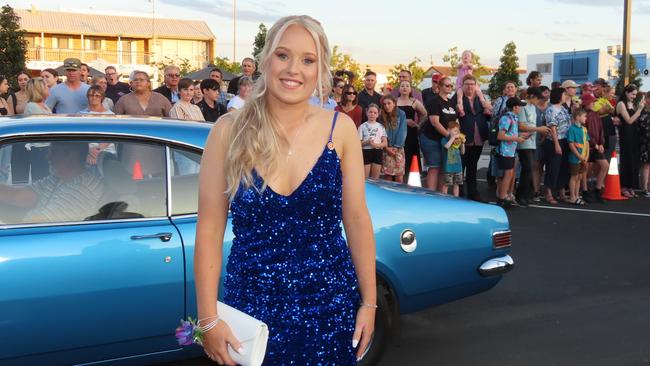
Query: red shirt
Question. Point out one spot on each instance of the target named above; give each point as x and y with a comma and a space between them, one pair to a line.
355, 113
594, 126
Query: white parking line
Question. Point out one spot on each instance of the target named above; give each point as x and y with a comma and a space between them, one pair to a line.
589, 210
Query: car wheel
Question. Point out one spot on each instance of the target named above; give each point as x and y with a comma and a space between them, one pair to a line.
382, 330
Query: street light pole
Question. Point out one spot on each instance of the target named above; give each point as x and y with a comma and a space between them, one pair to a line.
627, 15
234, 30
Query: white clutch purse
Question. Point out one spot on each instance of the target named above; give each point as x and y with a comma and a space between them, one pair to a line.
252, 333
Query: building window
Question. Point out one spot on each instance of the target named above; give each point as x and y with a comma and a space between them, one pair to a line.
544, 68
62, 42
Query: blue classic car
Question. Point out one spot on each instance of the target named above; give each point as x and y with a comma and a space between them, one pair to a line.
97, 225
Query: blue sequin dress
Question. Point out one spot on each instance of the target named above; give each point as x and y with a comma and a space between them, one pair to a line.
290, 267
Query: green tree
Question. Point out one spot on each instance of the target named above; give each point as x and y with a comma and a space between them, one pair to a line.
342, 62
260, 39
183, 64
417, 73
633, 73
13, 47
225, 64
454, 58
507, 71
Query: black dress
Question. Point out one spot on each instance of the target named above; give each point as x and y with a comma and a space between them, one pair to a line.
644, 137
628, 135
412, 144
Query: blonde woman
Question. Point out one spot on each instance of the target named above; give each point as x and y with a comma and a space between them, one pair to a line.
37, 92
290, 173
244, 91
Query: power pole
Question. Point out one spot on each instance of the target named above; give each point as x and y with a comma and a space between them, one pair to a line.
234, 30
627, 15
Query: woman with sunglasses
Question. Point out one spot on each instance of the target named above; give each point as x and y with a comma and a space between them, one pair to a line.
96, 101
349, 105
441, 111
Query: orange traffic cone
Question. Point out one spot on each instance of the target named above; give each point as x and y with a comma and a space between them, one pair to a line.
137, 171
414, 173
612, 182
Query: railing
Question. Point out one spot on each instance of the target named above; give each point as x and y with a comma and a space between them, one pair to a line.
113, 57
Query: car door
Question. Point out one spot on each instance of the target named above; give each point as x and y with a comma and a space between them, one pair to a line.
184, 166
93, 269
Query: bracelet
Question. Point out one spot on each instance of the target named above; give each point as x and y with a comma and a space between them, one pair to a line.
206, 328
368, 305
198, 322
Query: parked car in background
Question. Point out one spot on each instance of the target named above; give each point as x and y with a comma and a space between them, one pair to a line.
96, 256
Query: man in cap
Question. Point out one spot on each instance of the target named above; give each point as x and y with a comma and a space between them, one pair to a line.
571, 90
604, 108
433, 90
69, 97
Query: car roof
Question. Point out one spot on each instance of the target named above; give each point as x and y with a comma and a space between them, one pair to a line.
185, 132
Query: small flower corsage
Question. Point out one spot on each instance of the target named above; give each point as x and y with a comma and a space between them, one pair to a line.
191, 331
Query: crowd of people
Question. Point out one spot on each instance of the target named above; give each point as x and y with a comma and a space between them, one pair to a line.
552, 144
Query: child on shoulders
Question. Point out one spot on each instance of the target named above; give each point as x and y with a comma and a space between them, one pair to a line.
464, 68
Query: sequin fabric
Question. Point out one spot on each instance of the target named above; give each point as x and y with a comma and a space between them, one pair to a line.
290, 267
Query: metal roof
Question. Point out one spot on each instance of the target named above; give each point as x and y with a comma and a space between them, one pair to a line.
36, 21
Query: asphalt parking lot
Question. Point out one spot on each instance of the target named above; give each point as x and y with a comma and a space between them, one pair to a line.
579, 295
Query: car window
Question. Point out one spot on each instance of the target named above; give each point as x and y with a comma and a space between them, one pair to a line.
61, 181
185, 181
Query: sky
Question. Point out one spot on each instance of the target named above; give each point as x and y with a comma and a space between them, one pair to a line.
393, 32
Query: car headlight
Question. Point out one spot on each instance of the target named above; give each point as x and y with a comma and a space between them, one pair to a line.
407, 241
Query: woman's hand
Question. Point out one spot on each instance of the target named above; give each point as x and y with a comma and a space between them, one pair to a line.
558, 149
363, 330
411, 123
216, 341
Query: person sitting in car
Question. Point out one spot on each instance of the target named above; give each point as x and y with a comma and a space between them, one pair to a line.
69, 193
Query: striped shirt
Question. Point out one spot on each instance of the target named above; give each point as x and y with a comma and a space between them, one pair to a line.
61, 200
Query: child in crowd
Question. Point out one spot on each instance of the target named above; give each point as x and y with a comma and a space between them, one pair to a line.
508, 137
578, 140
464, 68
454, 147
373, 140
598, 164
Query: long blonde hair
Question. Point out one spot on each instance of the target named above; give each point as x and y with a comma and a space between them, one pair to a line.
35, 90
255, 137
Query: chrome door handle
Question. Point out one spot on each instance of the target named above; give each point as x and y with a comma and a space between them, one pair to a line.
161, 236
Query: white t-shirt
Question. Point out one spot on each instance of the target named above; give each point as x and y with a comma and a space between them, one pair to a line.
236, 102
371, 131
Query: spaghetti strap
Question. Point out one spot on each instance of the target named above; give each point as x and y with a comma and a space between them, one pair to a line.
336, 114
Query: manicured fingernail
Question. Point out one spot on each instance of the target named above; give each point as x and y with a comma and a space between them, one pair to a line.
355, 343
240, 350
359, 359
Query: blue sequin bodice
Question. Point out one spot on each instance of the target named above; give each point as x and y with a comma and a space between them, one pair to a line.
290, 267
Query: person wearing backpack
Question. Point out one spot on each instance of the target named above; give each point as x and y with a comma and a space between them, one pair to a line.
499, 109
508, 137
